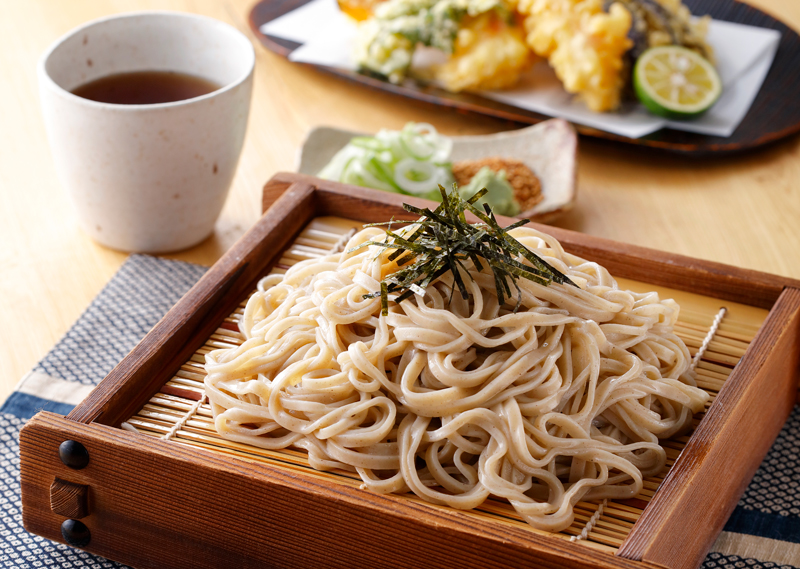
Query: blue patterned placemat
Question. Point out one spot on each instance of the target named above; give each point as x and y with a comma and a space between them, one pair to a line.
764, 530
130, 304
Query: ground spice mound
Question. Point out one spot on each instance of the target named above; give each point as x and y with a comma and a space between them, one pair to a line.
527, 187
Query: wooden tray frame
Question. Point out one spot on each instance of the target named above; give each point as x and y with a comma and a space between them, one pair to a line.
155, 503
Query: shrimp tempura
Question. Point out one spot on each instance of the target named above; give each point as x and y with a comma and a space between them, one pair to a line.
585, 46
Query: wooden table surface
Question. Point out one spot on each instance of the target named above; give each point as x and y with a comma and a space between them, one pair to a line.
742, 210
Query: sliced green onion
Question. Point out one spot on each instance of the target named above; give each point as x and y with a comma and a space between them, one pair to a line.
411, 161
415, 176
358, 174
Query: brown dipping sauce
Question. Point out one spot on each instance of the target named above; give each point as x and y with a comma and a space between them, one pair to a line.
145, 88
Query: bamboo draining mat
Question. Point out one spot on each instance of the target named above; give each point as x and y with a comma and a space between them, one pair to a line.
180, 413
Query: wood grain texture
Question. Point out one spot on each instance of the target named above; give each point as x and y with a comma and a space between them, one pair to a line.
192, 320
702, 488
199, 509
68, 499
623, 260
773, 114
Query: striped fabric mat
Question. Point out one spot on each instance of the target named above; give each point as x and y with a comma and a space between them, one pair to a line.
764, 530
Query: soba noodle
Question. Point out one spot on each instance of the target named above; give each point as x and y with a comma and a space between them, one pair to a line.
456, 400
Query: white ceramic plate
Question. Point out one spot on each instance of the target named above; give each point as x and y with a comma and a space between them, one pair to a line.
548, 148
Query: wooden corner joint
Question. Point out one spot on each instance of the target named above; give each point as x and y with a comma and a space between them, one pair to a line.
69, 499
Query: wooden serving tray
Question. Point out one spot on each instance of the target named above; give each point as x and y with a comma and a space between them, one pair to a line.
188, 501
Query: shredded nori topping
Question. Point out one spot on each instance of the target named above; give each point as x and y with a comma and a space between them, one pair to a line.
444, 241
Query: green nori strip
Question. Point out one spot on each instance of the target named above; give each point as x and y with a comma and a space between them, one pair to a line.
444, 240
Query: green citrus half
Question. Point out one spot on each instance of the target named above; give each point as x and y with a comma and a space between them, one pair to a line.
675, 82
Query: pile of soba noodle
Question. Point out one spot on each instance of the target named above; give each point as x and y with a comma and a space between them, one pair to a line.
456, 400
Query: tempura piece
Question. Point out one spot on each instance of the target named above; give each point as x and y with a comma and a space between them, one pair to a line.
489, 54
585, 46
593, 44
666, 22
484, 47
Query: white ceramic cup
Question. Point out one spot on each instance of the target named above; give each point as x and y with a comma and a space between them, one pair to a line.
148, 178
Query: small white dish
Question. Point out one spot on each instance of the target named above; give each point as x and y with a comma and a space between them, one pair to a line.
548, 148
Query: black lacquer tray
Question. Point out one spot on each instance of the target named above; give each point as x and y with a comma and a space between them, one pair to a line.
775, 113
